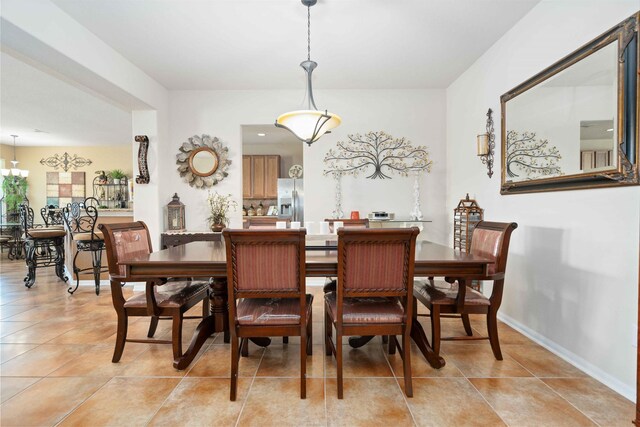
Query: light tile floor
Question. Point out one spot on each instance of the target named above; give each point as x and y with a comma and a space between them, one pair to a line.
55, 354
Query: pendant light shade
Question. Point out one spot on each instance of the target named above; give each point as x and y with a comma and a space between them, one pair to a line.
15, 170
310, 124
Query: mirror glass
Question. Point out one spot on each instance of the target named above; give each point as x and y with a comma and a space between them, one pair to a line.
565, 124
204, 162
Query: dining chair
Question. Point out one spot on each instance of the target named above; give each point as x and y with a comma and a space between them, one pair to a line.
162, 299
449, 299
266, 291
52, 216
373, 295
330, 282
81, 220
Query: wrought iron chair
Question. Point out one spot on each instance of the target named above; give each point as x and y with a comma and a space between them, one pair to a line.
43, 247
374, 292
449, 299
161, 300
81, 219
267, 294
52, 216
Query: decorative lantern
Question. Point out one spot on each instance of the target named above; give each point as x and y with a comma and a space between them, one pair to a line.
175, 214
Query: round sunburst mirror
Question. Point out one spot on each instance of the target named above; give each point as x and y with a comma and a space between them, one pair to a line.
202, 161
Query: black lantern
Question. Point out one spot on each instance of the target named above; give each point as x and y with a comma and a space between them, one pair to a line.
175, 214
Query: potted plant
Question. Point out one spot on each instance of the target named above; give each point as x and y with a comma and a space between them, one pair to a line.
102, 177
15, 192
117, 175
219, 206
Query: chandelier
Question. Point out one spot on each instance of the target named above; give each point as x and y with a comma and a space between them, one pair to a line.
310, 124
15, 171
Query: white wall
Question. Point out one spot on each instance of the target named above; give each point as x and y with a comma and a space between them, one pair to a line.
418, 115
572, 277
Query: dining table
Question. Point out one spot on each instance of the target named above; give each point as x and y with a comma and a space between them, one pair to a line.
208, 260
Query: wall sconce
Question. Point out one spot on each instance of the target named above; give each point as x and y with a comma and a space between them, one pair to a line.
487, 144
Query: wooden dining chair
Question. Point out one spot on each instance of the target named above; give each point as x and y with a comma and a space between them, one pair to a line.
330, 282
373, 296
266, 291
162, 299
448, 299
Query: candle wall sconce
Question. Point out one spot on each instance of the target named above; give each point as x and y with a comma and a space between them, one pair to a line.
487, 144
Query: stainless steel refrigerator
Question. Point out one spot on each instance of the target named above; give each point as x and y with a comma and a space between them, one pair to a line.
291, 199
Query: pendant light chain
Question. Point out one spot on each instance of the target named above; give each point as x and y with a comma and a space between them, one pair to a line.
308, 33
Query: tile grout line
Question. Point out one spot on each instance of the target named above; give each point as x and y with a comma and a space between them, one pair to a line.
485, 399
83, 401
255, 374
395, 376
566, 400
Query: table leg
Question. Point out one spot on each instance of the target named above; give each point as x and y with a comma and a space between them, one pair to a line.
204, 330
357, 342
420, 338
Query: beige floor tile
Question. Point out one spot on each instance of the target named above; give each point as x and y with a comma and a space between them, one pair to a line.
448, 402
528, 401
41, 361
284, 361
123, 402
7, 328
9, 351
39, 333
88, 334
208, 403
506, 334
10, 386
276, 401
96, 362
216, 362
10, 310
48, 401
366, 361
541, 362
598, 402
477, 361
155, 361
420, 367
367, 402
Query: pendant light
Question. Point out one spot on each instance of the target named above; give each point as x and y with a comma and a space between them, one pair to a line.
310, 124
15, 171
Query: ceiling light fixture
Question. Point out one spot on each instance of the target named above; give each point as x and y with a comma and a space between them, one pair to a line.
262, 134
15, 171
610, 130
310, 124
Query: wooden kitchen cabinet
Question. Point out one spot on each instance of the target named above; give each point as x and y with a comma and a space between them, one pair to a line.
260, 176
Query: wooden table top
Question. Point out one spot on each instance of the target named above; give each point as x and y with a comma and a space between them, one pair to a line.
208, 259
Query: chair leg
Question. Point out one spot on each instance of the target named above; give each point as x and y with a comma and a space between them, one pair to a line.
467, 324
309, 338
339, 365
176, 336
435, 329
76, 272
492, 329
406, 360
121, 336
244, 347
392, 345
234, 367
97, 265
153, 326
328, 332
303, 364
285, 340
385, 339
206, 306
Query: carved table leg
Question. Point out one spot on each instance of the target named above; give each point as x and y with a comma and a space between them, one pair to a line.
220, 306
204, 330
419, 337
357, 342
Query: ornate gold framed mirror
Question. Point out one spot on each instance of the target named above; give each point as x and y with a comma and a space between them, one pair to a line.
203, 161
575, 124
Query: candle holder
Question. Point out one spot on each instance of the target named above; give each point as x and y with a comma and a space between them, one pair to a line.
487, 144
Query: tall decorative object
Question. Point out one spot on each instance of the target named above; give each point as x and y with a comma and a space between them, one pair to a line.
175, 214
465, 218
487, 144
337, 212
377, 151
144, 177
310, 124
416, 213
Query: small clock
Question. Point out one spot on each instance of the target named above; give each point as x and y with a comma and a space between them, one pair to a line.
295, 171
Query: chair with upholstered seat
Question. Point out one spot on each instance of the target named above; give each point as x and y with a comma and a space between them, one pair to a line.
162, 299
449, 299
44, 246
373, 294
266, 289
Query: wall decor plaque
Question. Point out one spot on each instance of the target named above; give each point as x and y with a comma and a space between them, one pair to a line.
65, 161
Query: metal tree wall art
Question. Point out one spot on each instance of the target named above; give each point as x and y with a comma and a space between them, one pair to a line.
378, 152
531, 157
65, 161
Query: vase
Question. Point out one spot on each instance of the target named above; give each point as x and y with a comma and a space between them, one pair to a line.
116, 181
217, 227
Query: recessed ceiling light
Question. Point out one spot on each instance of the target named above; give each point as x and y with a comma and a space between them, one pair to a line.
610, 130
40, 131
262, 134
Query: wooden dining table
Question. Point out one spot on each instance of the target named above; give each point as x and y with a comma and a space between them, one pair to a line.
208, 260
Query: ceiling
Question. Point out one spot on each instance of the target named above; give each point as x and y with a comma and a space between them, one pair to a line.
258, 44
272, 135
68, 116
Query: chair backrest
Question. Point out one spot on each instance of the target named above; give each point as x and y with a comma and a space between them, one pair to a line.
491, 239
124, 241
52, 215
26, 218
376, 262
81, 217
349, 223
265, 263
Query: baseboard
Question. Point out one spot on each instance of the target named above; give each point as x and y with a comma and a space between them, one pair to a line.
572, 358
